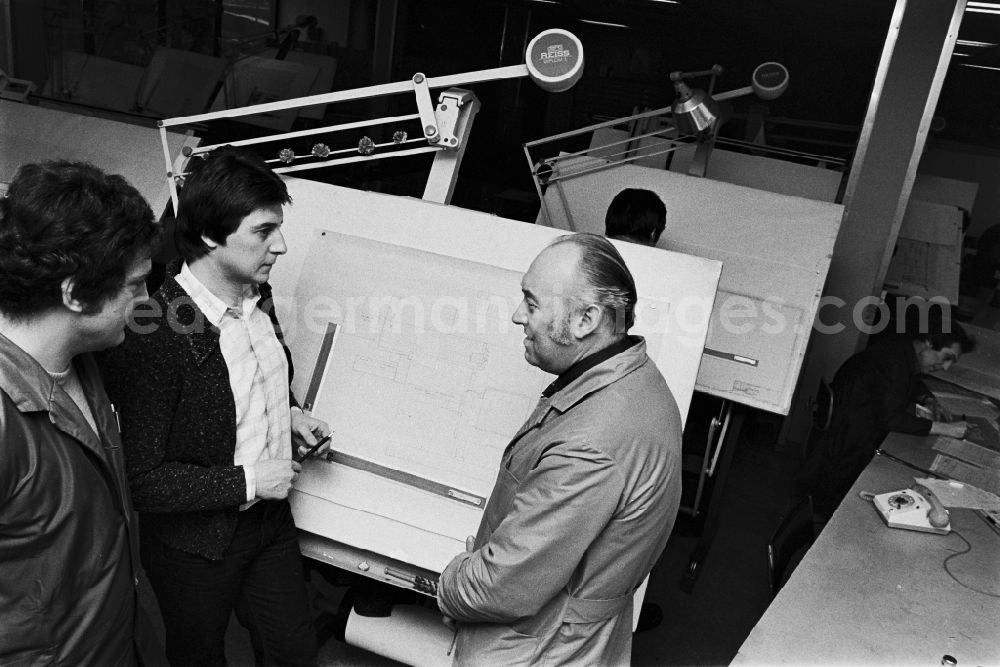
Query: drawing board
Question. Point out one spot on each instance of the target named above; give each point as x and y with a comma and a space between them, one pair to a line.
397, 312
928, 254
115, 147
775, 250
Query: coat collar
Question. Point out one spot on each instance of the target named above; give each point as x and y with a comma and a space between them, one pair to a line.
23, 379
32, 389
600, 376
182, 314
592, 380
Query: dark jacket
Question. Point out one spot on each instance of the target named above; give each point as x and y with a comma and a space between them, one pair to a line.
68, 557
171, 384
873, 394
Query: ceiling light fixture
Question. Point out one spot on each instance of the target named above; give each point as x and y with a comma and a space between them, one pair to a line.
974, 3
547, 2
667, 2
970, 42
604, 23
982, 10
959, 55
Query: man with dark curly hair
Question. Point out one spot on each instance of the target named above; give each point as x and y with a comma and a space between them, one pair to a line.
75, 245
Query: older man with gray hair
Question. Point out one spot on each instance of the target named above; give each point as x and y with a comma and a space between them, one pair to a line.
588, 488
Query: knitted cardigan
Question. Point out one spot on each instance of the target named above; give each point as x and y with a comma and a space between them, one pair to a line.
170, 385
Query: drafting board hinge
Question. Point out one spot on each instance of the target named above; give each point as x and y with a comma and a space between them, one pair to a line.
454, 115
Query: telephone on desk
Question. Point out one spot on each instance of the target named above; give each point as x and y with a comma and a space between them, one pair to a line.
913, 509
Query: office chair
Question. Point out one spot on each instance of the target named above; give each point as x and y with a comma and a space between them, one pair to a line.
789, 543
822, 415
823, 409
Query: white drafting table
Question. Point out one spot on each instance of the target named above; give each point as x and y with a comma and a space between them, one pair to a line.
866, 594
348, 250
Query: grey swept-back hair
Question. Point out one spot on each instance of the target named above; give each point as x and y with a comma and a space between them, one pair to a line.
610, 283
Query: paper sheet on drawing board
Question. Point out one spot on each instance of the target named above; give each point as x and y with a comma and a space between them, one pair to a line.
425, 375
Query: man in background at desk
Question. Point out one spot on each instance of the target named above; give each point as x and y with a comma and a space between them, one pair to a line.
589, 487
74, 255
876, 392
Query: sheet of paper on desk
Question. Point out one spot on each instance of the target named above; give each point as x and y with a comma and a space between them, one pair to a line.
957, 494
972, 379
983, 431
970, 406
969, 452
946, 466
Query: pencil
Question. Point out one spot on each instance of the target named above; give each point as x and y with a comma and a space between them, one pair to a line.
313, 449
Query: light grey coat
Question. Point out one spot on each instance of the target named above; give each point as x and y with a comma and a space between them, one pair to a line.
584, 502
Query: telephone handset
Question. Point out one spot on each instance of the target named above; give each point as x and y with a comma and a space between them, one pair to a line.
913, 509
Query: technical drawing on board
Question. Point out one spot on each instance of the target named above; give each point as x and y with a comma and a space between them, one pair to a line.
430, 360
416, 374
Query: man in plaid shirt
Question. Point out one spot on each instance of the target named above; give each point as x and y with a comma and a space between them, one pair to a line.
208, 423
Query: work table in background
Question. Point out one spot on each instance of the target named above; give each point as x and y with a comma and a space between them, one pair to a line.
867, 594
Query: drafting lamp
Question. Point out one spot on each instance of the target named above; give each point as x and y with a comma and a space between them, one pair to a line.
553, 60
693, 118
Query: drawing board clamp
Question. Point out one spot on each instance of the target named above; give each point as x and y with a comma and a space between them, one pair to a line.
397, 312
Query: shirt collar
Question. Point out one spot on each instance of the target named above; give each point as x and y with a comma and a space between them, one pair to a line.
207, 302
588, 362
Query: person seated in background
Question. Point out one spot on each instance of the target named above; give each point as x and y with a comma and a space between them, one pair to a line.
636, 216
876, 392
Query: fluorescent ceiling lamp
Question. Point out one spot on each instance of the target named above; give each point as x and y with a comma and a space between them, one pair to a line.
970, 42
959, 55
980, 66
604, 23
982, 10
667, 2
547, 2
988, 5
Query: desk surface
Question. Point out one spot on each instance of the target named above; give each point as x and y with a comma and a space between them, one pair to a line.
31, 133
867, 594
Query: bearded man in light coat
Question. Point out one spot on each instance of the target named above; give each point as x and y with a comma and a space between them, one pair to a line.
588, 488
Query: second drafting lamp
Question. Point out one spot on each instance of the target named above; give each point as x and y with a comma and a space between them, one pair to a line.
692, 118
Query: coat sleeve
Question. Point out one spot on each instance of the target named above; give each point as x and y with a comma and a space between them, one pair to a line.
559, 509
895, 390
144, 383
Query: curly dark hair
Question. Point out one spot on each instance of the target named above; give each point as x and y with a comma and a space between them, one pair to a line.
64, 219
219, 191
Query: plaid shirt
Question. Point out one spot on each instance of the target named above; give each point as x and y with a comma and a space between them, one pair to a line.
258, 375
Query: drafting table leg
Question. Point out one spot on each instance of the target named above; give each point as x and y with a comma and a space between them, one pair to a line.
732, 425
